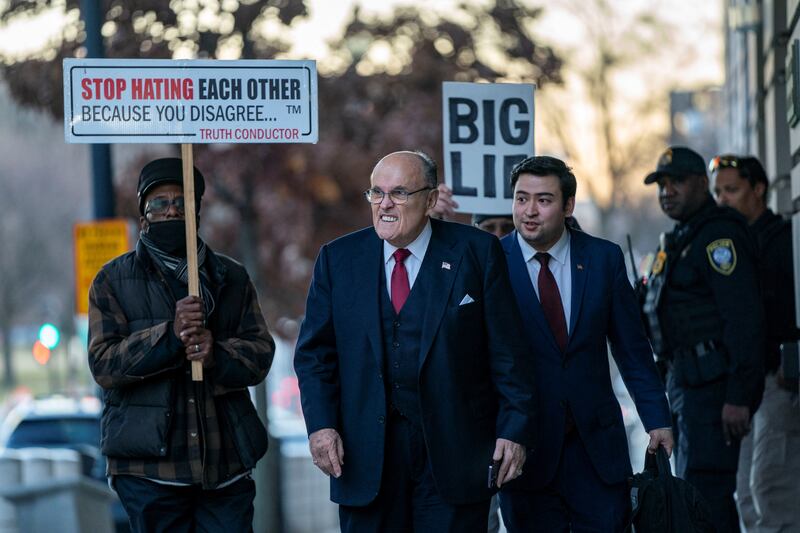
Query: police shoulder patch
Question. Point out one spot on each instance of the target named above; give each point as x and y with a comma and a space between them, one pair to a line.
722, 256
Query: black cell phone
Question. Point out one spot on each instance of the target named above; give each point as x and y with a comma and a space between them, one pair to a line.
494, 468
790, 361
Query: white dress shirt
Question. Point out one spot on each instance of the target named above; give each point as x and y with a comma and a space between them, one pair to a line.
413, 262
559, 265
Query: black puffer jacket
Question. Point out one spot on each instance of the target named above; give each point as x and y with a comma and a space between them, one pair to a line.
136, 359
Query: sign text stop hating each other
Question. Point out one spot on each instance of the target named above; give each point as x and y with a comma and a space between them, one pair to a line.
193, 101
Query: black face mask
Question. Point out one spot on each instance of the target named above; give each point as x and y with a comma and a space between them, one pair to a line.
169, 236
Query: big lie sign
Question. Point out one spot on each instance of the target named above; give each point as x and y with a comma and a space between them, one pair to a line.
196, 101
488, 128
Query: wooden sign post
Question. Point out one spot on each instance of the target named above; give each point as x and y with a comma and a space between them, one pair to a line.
190, 215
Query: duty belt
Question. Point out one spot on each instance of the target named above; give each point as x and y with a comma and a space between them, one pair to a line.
700, 349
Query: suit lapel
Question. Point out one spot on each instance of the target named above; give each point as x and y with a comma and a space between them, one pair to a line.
529, 305
366, 268
580, 260
435, 279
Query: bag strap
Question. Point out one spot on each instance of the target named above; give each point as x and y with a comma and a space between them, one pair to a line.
658, 465
661, 459
650, 465
665, 473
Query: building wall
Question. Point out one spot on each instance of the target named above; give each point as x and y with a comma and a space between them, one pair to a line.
777, 155
792, 193
759, 93
744, 132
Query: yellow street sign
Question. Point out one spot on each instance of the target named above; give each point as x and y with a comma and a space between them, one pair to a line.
96, 243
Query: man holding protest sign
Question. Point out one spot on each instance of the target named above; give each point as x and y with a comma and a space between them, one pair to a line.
179, 451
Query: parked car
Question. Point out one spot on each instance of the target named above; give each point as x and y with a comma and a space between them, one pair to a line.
62, 422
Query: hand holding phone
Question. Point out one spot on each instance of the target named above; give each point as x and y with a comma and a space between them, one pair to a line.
494, 468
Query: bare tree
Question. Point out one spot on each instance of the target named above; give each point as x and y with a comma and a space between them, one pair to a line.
40, 198
615, 137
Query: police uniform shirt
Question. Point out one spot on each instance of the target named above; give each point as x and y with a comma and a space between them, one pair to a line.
715, 265
776, 276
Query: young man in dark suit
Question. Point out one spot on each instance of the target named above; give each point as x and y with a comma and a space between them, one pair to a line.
412, 372
574, 295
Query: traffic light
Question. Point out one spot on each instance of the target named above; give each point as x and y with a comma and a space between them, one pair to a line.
49, 336
41, 353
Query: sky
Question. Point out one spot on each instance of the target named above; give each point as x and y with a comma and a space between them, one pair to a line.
698, 21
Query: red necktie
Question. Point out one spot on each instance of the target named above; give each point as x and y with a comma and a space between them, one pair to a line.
400, 288
550, 299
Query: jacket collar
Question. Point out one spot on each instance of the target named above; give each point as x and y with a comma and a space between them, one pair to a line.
215, 267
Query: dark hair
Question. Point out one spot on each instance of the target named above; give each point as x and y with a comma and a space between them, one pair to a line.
429, 169
750, 168
477, 218
544, 165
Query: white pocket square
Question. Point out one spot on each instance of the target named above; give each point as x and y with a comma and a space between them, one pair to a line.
466, 300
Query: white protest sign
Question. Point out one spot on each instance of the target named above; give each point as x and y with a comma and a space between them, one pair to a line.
197, 102
488, 128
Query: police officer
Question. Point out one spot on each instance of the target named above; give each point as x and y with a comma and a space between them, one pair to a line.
767, 491
705, 320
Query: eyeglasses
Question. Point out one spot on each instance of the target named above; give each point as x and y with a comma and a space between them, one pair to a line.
160, 205
723, 161
398, 196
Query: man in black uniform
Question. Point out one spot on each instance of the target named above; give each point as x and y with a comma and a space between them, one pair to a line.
767, 491
705, 320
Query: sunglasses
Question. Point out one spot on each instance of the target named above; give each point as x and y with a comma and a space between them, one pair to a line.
723, 161
160, 206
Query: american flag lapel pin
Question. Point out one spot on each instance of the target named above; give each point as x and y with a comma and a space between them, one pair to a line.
580, 266
445, 265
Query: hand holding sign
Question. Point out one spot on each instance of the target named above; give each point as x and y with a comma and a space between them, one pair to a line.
445, 207
191, 236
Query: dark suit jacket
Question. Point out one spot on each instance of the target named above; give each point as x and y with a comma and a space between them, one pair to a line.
603, 308
475, 382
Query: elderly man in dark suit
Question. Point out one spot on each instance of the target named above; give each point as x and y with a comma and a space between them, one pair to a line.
576, 300
413, 374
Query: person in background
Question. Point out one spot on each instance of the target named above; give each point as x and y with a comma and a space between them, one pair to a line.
497, 225
703, 314
179, 452
767, 488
